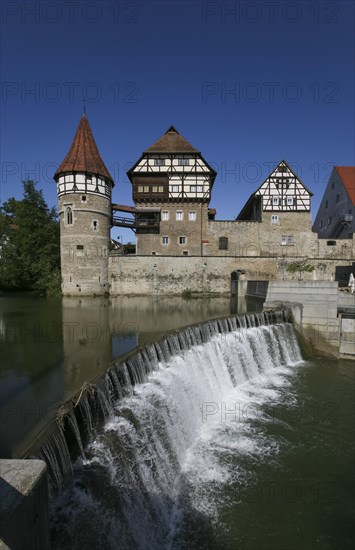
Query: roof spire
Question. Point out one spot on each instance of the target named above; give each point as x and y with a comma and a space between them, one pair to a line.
83, 155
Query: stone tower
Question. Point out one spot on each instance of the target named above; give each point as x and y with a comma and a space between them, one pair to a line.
84, 187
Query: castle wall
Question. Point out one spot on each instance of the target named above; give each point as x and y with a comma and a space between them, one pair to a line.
144, 275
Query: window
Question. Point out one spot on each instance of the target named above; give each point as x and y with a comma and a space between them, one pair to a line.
83, 198
175, 188
80, 247
160, 189
146, 188
326, 204
183, 162
185, 252
179, 215
154, 253
290, 201
223, 243
337, 198
155, 189
331, 243
321, 223
196, 188
182, 240
333, 185
275, 201
69, 216
140, 188
192, 216
165, 215
159, 162
274, 218
165, 240
94, 225
287, 240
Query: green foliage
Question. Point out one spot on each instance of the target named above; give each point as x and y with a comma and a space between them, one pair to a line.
130, 248
300, 266
29, 243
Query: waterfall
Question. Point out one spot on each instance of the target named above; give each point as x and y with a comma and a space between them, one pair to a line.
155, 426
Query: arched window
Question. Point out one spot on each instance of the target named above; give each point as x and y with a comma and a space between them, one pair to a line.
69, 216
223, 243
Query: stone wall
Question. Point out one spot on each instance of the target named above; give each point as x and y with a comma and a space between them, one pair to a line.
194, 231
140, 275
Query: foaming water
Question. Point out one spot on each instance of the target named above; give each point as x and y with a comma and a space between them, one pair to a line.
171, 448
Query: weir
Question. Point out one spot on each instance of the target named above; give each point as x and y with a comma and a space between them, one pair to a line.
122, 451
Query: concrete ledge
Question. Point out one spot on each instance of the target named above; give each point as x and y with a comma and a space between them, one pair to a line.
24, 520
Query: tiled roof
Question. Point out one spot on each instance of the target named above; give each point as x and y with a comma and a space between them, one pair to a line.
83, 155
171, 142
347, 176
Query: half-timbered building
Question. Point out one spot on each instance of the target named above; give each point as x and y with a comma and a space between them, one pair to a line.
171, 189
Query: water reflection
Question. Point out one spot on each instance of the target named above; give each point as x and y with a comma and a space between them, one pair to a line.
50, 348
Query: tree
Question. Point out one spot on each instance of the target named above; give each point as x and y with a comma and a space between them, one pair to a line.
29, 243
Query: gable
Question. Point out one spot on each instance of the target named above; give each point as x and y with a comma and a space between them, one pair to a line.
284, 190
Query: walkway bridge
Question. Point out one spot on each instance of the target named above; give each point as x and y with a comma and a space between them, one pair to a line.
139, 219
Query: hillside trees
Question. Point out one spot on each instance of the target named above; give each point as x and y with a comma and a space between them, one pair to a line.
29, 243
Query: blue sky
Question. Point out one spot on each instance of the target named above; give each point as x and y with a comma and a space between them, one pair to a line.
247, 83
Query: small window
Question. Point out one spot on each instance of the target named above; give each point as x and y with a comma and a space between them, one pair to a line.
80, 247
223, 243
83, 198
337, 198
182, 240
69, 216
165, 240
192, 216
326, 204
331, 243
321, 223
274, 218
159, 162
160, 189
154, 253
155, 189
196, 189
333, 184
290, 201
179, 215
175, 188
275, 201
140, 188
287, 240
165, 215
146, 188
185, 252
94, 225
88, 179
183, 162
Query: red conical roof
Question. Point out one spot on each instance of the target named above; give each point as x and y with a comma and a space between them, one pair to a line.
83, 155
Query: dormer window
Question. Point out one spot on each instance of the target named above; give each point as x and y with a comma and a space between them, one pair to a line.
159, 162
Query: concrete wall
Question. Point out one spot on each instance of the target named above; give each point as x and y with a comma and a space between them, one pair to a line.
315, 307
24, 505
